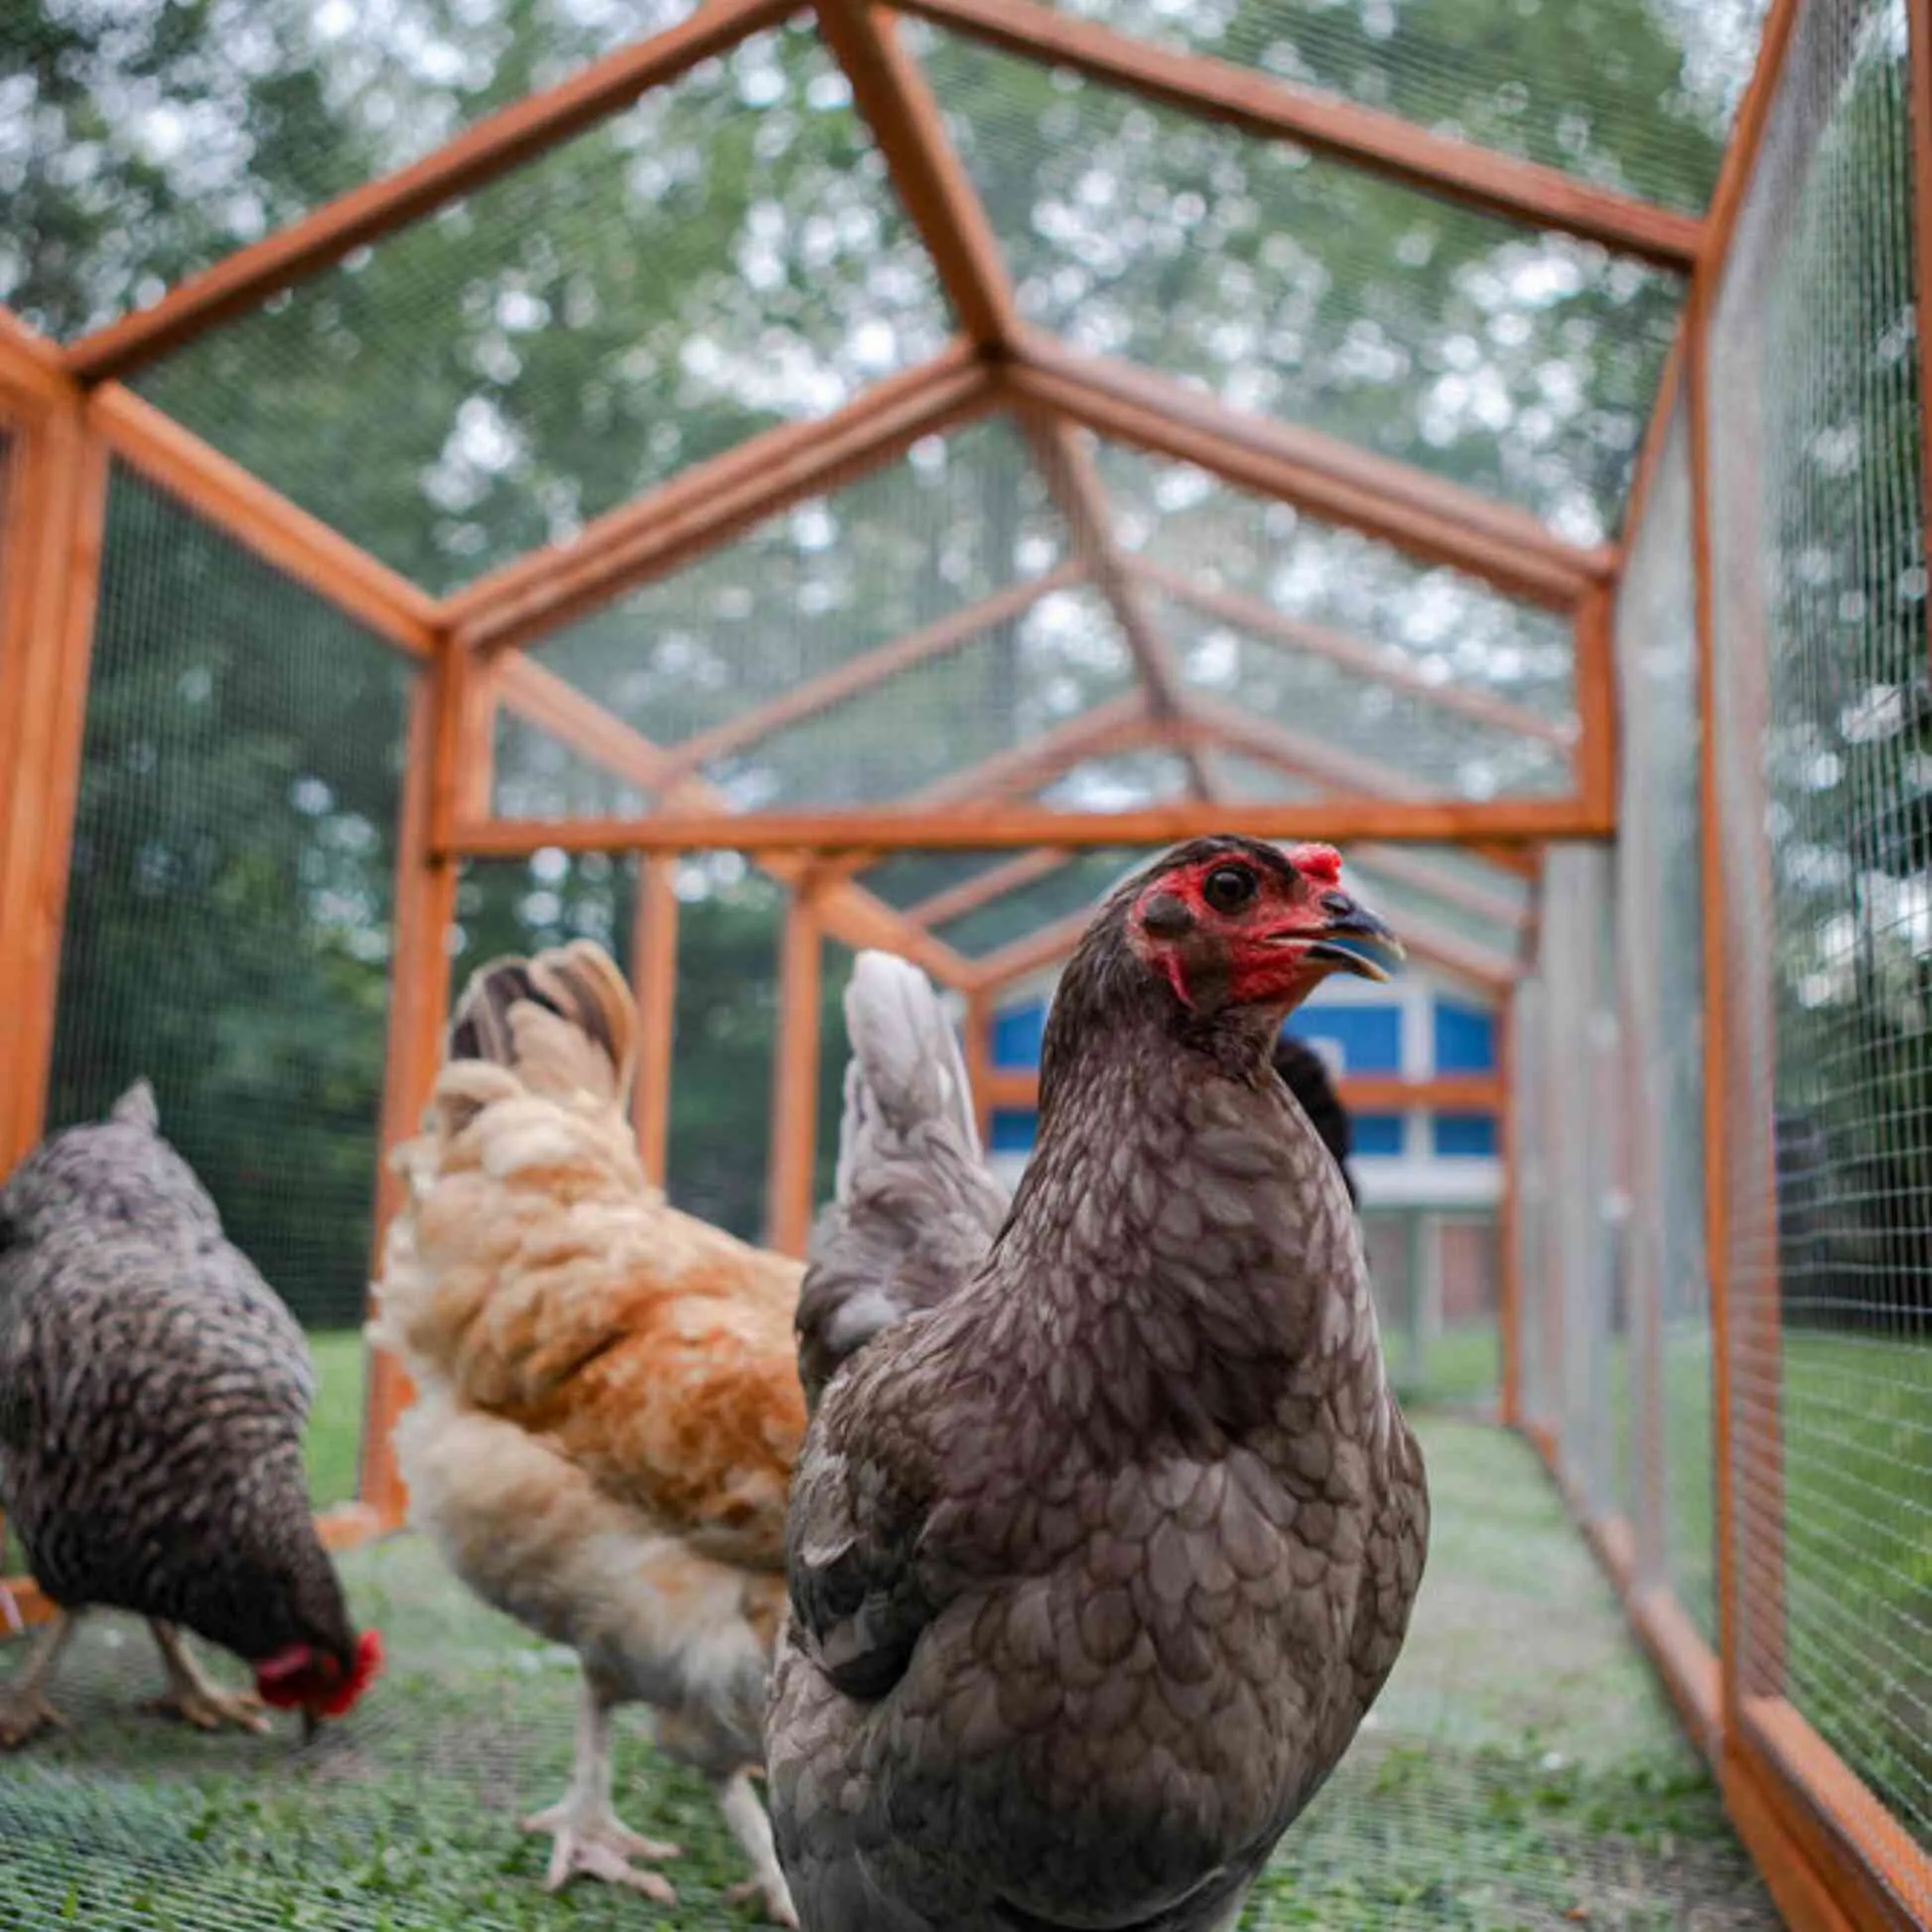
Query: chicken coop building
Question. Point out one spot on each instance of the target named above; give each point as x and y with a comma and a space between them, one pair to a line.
748, 482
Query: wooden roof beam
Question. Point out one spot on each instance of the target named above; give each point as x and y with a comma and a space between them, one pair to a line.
1405, 868
1274, 109
244, 508
1119, 725
851, 914
870, 829
472, 158
1022, 869
1073, 479
945, 209
1425, 515
1263, 620
845, 681
713, 501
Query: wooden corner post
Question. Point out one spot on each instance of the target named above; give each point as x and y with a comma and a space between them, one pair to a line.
653, 983
447, 768
52, 525
795, 1074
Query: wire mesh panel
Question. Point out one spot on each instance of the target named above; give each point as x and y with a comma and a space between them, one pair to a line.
723, 256
1637, 98
228, 928
1539, 1305
144, 141
1821, 575
1580, 1037
749, 663
1517, 363
1660, 928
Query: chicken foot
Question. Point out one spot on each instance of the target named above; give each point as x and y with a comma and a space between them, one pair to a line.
751, 1828
586, 1833
23, 1709
192, 1695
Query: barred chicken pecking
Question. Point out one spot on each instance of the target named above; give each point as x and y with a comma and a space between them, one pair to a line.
1107, 1528
153, 1394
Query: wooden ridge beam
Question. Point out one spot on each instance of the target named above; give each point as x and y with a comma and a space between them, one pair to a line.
542, 698
1074, 479
1395, 503
478, 155
1024, 869
713, 501
1274, 109
1263, 620
945, 210
1298, 754
844, 681
870, 829
263, 521
850, 913
1117, 725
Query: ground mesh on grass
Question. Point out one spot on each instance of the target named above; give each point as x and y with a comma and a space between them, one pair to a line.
1520, 1771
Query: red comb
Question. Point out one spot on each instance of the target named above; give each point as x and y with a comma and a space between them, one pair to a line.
290, 1681
1320, 864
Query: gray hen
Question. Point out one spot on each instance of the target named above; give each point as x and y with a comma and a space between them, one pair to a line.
153, 1392
1097, 1564
915, 1207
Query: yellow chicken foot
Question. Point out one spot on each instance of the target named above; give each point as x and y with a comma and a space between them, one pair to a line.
23, 1709
192, 1697
586, 1835
752, 1829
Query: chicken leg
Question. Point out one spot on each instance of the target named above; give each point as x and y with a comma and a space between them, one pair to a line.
23, 1709
586, 1835
192, 1695
752, 1829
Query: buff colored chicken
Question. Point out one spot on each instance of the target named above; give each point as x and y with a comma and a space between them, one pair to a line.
607, 1405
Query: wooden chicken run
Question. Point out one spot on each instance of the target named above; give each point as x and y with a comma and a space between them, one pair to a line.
1015, 437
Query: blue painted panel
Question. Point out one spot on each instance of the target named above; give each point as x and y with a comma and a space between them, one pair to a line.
1466, 1137
1378, 1134
1370, 1038
1012, 1130
1016, 1034
1465, 1039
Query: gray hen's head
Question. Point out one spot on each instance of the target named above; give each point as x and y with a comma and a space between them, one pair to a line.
116, 1172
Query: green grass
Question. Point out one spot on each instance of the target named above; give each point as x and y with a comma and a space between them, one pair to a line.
1520, 1768
335, 1421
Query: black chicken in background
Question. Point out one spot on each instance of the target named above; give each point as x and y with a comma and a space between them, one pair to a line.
1304, 1073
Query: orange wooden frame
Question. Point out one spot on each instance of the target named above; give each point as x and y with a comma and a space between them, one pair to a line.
865, 830
1375, 142
653, 981
492, 147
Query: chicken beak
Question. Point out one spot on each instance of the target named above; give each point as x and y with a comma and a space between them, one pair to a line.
1356, 940
310, 1724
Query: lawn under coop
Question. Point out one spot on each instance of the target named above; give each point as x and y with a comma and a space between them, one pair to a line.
747, 484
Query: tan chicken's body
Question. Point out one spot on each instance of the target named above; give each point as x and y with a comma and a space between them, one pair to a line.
608, 1407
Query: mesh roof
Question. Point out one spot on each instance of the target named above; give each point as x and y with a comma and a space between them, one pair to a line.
735, 251
725, 255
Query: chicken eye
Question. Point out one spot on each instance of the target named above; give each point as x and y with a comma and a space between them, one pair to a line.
1227, 889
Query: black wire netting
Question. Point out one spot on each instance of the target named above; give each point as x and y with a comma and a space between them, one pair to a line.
1660, 969
1636, 101
1521, 1772
146, 140
1515, 362
723, 256
1824, 738
229, 915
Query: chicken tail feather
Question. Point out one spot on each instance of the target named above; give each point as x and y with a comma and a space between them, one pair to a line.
916, 1208
563, 1023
